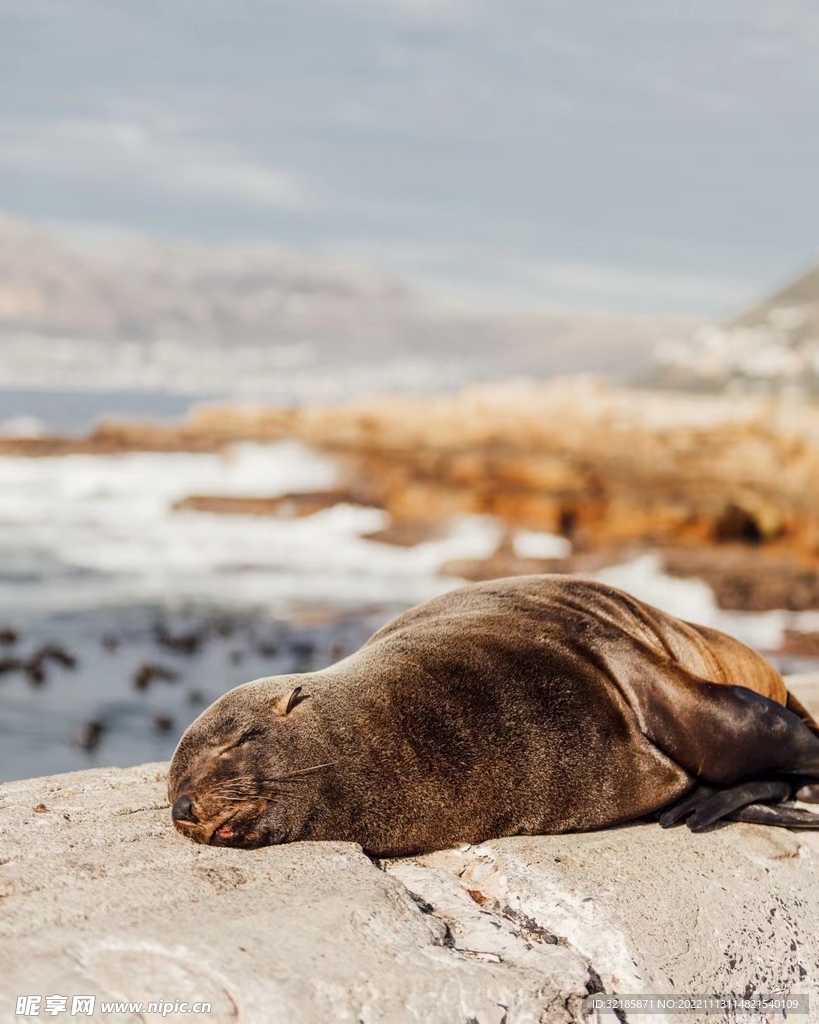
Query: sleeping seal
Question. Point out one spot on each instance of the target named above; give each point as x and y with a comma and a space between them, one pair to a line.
523, 706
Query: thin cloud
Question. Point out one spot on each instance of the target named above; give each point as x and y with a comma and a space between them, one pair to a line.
501, 282
157, 155
629, 283
427, 10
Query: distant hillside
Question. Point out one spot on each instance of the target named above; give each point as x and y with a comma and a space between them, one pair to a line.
772, 347
144, 291
801, 297
255, 319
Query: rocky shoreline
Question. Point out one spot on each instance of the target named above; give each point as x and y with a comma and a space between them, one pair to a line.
102, 897
726, 489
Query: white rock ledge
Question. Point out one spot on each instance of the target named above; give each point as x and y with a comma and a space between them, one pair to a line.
99, 895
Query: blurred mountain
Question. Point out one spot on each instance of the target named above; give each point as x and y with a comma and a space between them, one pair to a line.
259, 320
772, 347
144, 291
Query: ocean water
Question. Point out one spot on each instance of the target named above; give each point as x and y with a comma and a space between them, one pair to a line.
163, 610
28, 412
143, 673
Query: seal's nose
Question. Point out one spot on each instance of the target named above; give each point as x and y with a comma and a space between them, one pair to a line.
182, 810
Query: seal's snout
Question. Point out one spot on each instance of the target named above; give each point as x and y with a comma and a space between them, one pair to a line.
182, 810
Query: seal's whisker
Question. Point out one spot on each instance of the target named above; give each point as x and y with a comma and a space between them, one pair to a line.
230, 799
239, 793
235, 783
247, 777
300, 771
247, 786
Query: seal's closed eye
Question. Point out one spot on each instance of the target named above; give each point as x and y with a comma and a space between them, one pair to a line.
248, 735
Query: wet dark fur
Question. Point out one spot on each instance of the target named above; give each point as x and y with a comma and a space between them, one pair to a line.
538, 704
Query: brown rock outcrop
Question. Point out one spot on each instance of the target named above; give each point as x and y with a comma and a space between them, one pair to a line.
746, 579
603, 466
289, 506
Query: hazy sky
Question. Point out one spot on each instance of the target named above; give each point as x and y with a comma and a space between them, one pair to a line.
610, 155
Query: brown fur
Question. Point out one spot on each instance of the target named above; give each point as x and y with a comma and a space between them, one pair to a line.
538, 704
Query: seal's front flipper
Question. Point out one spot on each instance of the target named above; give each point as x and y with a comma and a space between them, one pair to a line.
787, 817
718, 732
722, 804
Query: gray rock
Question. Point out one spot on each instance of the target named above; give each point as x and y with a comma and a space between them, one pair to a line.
100, 896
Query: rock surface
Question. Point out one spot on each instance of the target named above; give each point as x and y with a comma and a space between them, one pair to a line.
100, 896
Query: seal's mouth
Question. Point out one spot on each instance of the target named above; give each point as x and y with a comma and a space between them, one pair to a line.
239, 809
234, 832
243, 834
237, 825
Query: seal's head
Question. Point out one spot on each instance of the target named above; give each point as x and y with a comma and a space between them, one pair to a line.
233, 774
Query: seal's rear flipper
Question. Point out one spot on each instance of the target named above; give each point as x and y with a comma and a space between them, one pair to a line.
703, 806
674, 814
788, 817
724, 803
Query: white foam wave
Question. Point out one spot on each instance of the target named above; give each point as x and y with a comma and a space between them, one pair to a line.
87, 530
84, 531
533, 544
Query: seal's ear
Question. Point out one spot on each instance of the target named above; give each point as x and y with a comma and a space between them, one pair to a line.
286, 704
